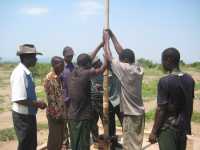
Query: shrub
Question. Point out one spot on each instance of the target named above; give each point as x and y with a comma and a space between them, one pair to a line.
146, 63
40, 70
195, 65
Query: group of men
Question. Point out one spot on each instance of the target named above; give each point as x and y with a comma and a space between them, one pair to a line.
75, 99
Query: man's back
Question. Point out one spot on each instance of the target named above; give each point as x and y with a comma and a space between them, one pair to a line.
178, 91
130, 77
79, 92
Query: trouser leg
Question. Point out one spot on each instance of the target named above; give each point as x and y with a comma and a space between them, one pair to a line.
26, 130
56, 134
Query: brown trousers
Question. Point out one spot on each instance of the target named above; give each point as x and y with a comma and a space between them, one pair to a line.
56, 134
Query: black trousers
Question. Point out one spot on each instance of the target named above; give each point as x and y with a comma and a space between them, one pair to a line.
26, 131
112, 112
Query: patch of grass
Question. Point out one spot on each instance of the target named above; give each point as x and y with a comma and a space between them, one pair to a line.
1, 109
7, 134
153, 71
8, 66
1, 99
197, 86
149, 90
118, 124
196, 117
149, 116
40, 70
41, 95
42, 126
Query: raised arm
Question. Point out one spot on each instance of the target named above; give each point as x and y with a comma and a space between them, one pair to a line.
108, 53
101, 69
96, 50
116, 43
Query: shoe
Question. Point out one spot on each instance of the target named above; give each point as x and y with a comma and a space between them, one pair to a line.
118, 145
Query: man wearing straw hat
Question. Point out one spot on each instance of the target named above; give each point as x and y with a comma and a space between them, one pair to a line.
24, 100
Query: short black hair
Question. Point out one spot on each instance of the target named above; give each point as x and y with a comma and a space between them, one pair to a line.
173, 54
56, 60
84, 60
66, 49
128, 55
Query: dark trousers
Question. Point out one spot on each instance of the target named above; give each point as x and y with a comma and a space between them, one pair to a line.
26, 131
171, 139
94, 127
112, 112
80, 134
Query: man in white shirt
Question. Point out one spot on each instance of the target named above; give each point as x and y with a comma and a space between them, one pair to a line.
130, 76
24, 100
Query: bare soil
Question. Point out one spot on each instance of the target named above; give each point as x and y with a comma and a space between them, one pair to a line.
6, 117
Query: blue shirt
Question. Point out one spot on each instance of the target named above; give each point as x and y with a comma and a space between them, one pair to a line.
31, 94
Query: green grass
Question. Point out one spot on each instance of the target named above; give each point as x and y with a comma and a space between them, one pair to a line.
196, 117
118, 124
153, 71
2, 109
149, 116
149, 90
1, 99
7, 134
197, 86
41, 95
42, 126
8, 66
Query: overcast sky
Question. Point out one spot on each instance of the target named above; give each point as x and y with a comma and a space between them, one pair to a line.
146, 26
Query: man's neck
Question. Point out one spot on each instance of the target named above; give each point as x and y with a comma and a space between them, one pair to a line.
176, 71
67, 63
27, 66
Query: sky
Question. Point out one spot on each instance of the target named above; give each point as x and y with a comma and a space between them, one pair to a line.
145, 26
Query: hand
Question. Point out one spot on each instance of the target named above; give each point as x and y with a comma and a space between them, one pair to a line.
110, 32
152, 138
106, 36
101, 44
41, 104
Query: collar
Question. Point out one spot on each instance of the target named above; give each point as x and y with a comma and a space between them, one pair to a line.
52, 75
177, 72
23, 67
69, 64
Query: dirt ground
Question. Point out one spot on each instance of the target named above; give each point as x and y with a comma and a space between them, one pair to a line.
6, 118
43, 134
